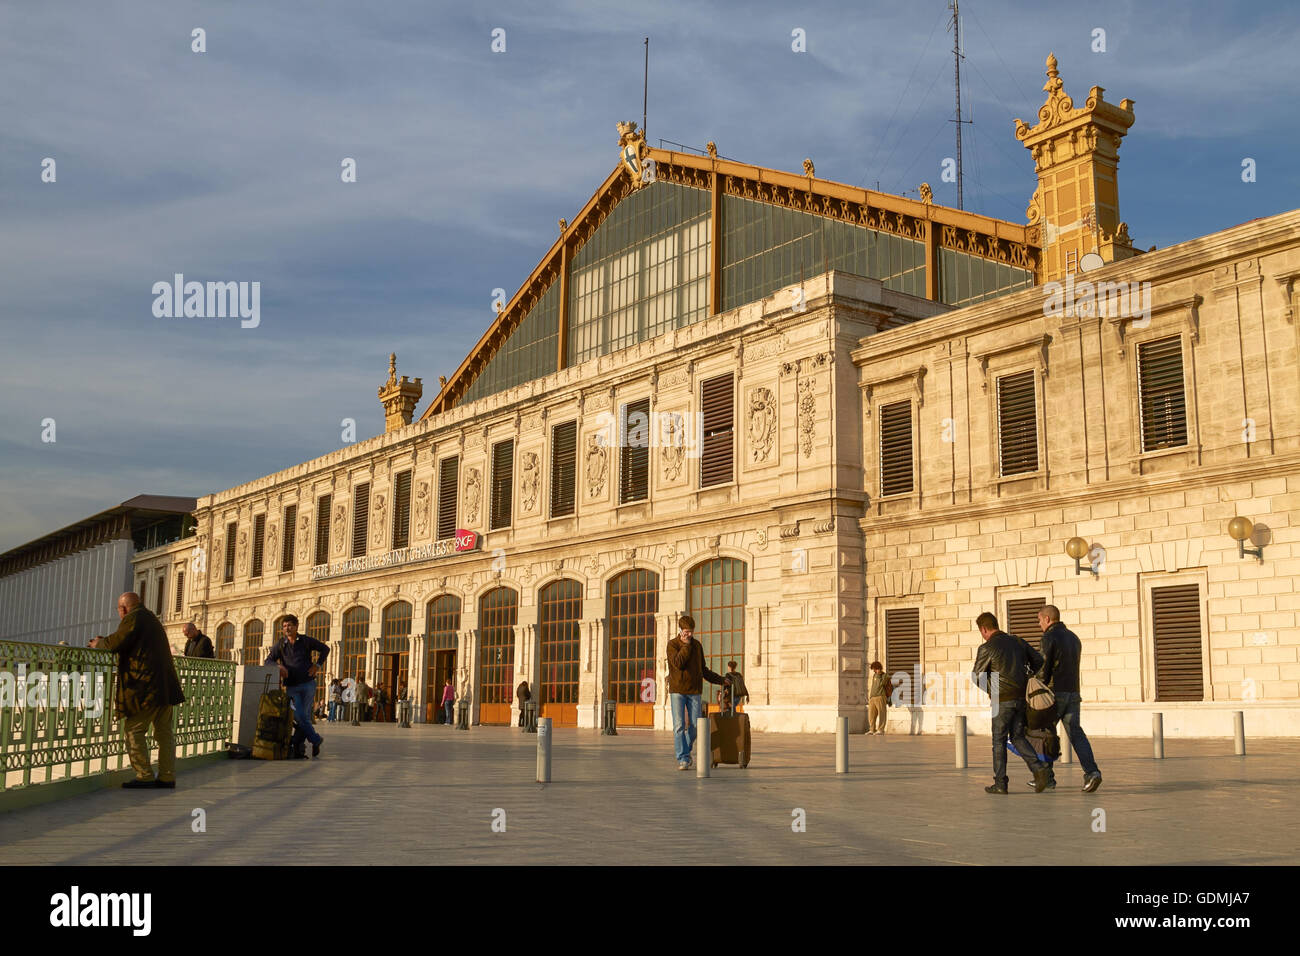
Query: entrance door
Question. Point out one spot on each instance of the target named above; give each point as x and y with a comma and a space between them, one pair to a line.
633, 604
388, 669
440, 668
561, 610
497, 615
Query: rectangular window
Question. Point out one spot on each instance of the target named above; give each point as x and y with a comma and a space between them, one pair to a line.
160, 595
564, 468
143, 591
259, 544
1022, 620
503, 483
180, 593
717, 403
323, 528
903, 648
360, 519
231, 530
448, 483
289, 529
1176, 623
634, 452
1162, 401
1017, 424
896, 448
402, 511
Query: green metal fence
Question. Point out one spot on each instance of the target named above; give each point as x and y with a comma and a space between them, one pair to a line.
52, 723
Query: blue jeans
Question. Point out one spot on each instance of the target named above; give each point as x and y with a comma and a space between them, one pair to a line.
301, 696
686, 710
448, 706
1067, 712
334, 706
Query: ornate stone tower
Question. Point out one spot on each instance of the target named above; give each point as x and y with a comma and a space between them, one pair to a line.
1076, 152
399, 397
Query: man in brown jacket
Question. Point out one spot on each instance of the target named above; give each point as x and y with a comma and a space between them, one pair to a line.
147, 690
686, 677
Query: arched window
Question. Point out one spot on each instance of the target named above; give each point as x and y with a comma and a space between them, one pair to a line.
715, 597
441, 627
633, 602
559, 614
394, 657
253, 653
498, 610
356, 629
318, 627
226, 641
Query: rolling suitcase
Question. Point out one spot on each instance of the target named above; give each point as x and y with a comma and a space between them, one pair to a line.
729, 734
274, 725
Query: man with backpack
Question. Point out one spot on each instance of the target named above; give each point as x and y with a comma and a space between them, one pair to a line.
1002, 667
1062, 650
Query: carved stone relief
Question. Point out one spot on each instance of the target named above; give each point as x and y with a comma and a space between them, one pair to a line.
304, 538
762, 423
473, 492
340, 526
378, 512
673, 451
272, 552
597, 466
422, 509
528, 481
242, 550
807, 412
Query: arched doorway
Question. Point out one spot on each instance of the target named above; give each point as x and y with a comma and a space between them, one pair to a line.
226, 641
318, 627
393, 665
441, 628
632, 604
253, 653
498, 610
715, 597
356, 631
559, 614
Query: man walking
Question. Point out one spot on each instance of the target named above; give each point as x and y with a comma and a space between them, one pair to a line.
686, 676
1060, 671
147, 690
197, 644
1002, 667
336, 699
300, 658
877, 699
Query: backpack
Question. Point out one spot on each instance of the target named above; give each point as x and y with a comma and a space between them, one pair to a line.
1041, 710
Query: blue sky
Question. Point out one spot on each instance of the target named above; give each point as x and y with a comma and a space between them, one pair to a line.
225, 165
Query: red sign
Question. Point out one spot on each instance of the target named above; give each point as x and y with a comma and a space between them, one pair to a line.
466, 540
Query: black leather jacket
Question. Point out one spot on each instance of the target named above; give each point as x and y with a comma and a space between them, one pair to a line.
1011, 659
1061, 651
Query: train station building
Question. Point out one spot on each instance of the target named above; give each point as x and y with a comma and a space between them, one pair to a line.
833, 425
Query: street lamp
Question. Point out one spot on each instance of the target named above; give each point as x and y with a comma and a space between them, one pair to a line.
1077, 548
1239, 529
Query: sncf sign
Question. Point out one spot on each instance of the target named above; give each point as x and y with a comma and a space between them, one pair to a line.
463, 541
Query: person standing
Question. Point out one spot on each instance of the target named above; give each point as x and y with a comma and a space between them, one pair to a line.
336, 699
1002, 667
448, 699
686, 676
147, 690
348, 686
363, 698
1062, 650
878, 691
197, 644
300, 658
523, 695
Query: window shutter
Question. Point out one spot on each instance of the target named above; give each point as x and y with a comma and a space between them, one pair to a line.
1017, 424
1022, 620
903, 647
1176, 621
323, 528
290, 529
259, 544
564, 468
402, 511
180, 593
160, 601
634, 452
143, 591
717, 402
896, 448
231, 531
448, 483
360, 519
503, 482
1162, 400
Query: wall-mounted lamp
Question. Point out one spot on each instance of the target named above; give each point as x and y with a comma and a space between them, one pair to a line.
1078, 549
1239, 529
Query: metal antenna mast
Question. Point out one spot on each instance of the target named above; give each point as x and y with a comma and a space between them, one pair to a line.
645, 89
957, 57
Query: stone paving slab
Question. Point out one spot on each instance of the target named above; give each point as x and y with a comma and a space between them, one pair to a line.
380, 794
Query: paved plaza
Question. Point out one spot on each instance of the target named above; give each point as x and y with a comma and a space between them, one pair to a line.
426, 795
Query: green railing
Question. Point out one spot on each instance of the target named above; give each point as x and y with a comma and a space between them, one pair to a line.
49, 723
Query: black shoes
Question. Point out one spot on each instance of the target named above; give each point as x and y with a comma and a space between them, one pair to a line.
140, 784
1042, 777
315, 750
298, 754
165, 784
1091, 782
997, 788
1051, 784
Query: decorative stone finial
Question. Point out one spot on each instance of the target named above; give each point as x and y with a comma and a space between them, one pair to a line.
712, 149
927, 194
808, 168
399, 397
564, 224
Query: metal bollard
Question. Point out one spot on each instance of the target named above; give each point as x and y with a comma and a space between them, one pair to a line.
1067, 749
1158, 735
356, 714
703, 747
610, 726
1239, 732
462, 715
959, 737
842, 745
530, 717
544, 750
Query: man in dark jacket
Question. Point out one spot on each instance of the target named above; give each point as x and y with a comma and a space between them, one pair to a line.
1002, 667
686, 677
1060, 671
197, 644
300, 659
147, 690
